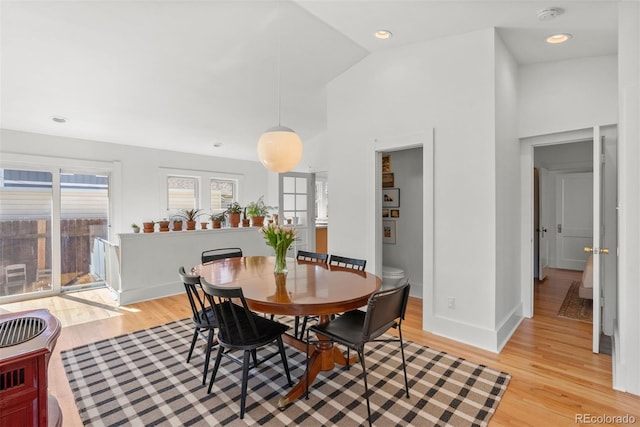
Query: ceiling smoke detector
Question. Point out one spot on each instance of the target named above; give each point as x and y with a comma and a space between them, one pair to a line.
549, 13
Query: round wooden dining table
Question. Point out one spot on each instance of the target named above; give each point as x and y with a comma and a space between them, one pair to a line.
308, 288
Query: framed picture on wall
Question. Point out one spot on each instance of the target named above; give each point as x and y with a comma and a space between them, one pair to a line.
395, 213
386, 163
387, 180
385, 213
391, 198
389, 232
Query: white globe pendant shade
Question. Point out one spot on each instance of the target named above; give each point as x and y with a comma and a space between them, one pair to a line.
279, 149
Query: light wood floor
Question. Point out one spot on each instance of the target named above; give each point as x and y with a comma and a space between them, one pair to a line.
554, 373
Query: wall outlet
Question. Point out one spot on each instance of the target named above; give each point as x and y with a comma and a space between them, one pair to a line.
451, 302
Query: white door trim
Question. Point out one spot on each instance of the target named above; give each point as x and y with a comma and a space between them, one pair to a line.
526, 204
426, 141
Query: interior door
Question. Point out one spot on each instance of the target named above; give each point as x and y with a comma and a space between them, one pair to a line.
598, 237
297, 207
574, 218
545, 221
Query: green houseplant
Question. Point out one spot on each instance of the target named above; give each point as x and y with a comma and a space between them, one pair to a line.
177, 224
217, 219
135, 227
257, 211
190, 216
233, 213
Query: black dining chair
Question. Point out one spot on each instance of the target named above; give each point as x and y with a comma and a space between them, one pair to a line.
204, 321
241, 329
312, 257
353, 263
355, 328
220, 253
298, 330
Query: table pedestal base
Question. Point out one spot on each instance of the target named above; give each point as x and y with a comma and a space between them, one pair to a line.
324, 357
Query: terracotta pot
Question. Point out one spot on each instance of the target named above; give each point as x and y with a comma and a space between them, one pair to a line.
216, 224
258, 221
234, 219
164, 226
191, 225
148, 227
245, 222
177, 226
203, 225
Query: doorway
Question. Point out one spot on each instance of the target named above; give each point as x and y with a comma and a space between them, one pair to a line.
604, 215
425, 140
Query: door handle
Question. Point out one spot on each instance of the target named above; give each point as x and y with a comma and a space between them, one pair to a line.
559, 228
596, 251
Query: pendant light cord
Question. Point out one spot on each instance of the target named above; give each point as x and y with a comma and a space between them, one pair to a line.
279, 57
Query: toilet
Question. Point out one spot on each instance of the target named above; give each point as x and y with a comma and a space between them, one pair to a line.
391, 276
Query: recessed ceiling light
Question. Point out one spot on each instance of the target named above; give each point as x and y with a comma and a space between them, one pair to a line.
59, 119
558, 38
383, 34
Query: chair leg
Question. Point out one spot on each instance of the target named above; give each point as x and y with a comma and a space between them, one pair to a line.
216, 365
193, 344
245, 378
306, 371
207, 356
304, 326
366, 388
254, 354
404, 365
348, 365
283, 356
296, 325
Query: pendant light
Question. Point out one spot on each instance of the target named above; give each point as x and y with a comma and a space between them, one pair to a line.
279, 148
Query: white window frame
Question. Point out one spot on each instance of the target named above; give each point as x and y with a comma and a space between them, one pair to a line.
204, 178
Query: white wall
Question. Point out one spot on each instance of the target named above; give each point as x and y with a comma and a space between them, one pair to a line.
626, 352
448, 84
406, 166
140, 189
508, 298
567, 95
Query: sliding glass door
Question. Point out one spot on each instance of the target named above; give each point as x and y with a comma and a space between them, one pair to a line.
84, 220
25, 231
53, 225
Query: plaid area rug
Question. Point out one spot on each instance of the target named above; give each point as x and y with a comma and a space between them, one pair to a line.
574, 307
142, 379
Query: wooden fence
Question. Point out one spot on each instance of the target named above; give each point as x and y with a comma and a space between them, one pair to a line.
29, 242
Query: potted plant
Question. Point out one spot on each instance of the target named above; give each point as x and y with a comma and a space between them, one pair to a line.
135, 227
164, 225
257, 211
148, 226
217, 220
245, 220
191, 216
233, 213
177, 224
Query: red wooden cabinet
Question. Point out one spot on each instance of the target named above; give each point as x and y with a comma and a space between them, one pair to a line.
26, 342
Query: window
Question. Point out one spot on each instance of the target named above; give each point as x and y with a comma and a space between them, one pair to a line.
210, 191
223, 193
182, 193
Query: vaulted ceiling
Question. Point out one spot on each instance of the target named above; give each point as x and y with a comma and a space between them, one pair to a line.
188, 75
